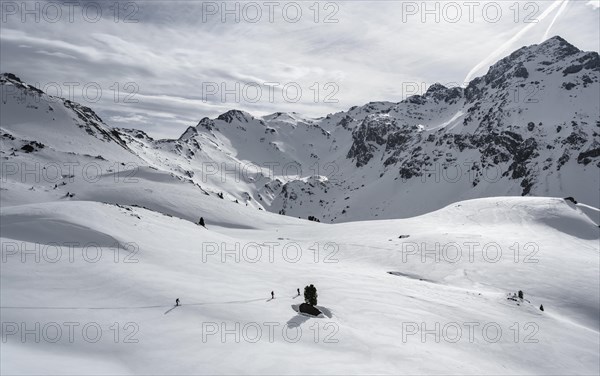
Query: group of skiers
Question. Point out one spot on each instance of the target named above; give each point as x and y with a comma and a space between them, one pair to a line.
272, 297
273, 293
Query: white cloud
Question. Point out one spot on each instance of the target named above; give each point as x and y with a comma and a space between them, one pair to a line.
374, 52
594, 3
57, 54
130, 119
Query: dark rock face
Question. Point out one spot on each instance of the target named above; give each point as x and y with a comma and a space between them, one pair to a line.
346, 122
521, 72
12, 77
376, 131
586, 157
309, 310
405, 148
32, 146
437, 93
371, 133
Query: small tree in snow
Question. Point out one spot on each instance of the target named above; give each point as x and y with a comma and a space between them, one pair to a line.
520, 294
201, 222
310, 295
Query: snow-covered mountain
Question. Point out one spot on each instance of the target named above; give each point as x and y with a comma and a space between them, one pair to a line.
528, 127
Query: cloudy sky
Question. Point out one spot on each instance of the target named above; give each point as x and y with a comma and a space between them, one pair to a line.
162, 66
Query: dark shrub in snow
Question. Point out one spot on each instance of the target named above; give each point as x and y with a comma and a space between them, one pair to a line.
310, 295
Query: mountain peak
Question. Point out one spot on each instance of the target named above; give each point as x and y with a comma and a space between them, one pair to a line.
238, 115
189, 133
10, 77
557, 39
16, 81
558, 47
435, 88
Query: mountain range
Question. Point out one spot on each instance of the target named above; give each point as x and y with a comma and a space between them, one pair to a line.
529, 127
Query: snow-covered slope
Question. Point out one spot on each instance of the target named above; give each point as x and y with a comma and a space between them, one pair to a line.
381, 294
61, 125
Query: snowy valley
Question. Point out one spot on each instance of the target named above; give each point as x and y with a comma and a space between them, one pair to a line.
433, 213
